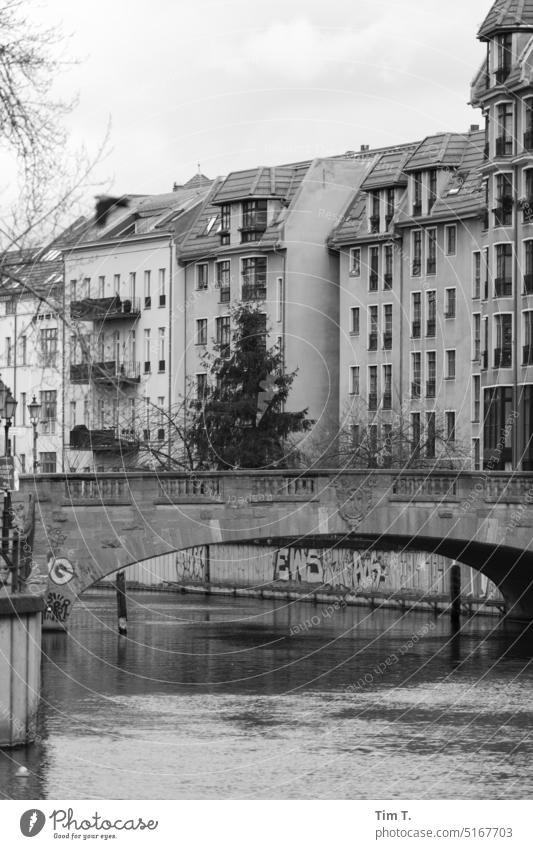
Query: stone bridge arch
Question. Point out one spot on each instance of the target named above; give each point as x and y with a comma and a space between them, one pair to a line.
90, 525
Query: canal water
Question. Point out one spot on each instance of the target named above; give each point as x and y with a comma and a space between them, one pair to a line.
223, 698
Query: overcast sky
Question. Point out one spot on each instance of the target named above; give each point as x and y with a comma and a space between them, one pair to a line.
238, 84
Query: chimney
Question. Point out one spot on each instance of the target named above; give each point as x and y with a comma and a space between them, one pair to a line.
364, 148
474, 128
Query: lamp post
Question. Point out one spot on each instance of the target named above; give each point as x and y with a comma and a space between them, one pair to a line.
10, 408
34, 410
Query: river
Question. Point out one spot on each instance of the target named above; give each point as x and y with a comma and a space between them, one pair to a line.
223, 698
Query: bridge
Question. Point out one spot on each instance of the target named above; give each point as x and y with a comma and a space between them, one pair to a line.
89, 525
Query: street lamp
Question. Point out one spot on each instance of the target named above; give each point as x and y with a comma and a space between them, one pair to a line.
9, 412
34, 410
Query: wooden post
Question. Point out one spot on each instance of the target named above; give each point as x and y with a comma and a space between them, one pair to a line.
121, 603
455, 593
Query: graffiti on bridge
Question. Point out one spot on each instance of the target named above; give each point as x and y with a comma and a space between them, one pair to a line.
191, 564
349, 569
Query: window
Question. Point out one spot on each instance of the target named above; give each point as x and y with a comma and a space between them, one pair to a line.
201, 331
355, 262
101, 286
161, 422
254, 220
372, 387
9, 351
416, 315
450, 426
416, 374
73, 289
47, 462
223, 272
528, 207
201, 385
417, 194
374, 221
225, 224
503, 283
48, 346
161, 346
354, 380
373, 328
476, 336
486, 270
430, 435
503, 211
528, 123
431, 263
147, 290
450, 303
23, 350
431, 307
416, 433
162, 292
476, 453
223, 329
387, 327
373, 279
116, 283
504, 129
527, 351
432, 189
147, 350
387, 277
389, 215
86, 287
22, 458
476, 277
11, 307
503, 352
133, 284
476, 397
254, 271
431, 371
528, 270
417, 254
73, 413
450, 239
86, 413
450, 364
279, 299
503, 56
355, 321
387, 387
48, 410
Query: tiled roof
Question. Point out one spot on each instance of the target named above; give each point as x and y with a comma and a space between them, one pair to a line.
464, 194
261, 183
444, 149
40, 269
507, 15
388, 171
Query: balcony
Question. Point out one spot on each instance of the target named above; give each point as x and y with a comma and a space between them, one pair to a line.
528, 284
504, 146
387, 282
501, 74
104, 440
373, 401
387, 341
225, 294
528, 140
417, 209
372, 341
527, 355
431, 388
503, 287
431, 328
416, 330
416, 389
254, 292
431, 266
114, 372
373, 281
503, 357
374, 223
105, 309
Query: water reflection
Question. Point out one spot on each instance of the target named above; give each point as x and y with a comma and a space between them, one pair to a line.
229, 698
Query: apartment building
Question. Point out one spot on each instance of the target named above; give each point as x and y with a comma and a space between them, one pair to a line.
261, 238
122, 363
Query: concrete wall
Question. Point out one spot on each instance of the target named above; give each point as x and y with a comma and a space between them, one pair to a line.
20, 667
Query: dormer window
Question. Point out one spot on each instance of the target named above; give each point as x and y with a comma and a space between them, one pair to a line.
432, 189
504, 129
417, 194
254, 220
504, 50
225, 224
374, 213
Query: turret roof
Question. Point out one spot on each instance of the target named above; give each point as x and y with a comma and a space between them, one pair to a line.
507, 15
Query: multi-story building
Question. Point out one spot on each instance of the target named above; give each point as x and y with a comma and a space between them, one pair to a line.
122, 362
261, 238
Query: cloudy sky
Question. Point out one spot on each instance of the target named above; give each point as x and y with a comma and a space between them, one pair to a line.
239, 83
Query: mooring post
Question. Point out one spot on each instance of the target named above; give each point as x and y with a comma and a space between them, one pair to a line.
455, 593
122, 611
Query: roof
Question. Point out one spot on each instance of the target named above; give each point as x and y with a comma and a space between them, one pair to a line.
464, 194
261, 182
389, 170
510, 15
439, 151
37, 272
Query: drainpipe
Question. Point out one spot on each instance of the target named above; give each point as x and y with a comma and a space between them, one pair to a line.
402, 328
170, 287
516, 447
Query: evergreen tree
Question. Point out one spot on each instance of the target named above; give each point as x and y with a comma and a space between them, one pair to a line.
238, 419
